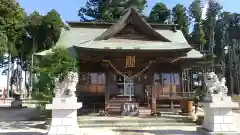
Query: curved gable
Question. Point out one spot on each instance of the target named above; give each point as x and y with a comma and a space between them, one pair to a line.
137, 25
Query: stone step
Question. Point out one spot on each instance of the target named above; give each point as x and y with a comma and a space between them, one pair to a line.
117, 104
121, 100
167, 118
123, 125
112, 108
130, 119
132, 123
122, 96
144, 111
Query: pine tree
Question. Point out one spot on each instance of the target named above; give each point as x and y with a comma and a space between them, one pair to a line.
179, 13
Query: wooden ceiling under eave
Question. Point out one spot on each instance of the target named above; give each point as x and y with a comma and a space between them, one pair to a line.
81, 51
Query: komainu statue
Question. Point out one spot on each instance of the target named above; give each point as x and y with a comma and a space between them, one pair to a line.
214, 86
67, 87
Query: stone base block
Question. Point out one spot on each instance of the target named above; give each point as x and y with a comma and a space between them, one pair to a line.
220, 127
64, 116
64, 104
203, 131
64, 122
64, 130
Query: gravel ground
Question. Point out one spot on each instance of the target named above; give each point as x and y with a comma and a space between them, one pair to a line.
15, 122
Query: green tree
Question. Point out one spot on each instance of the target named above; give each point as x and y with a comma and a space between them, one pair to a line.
214, 9
3, 44
179, 13
114, 9
44, 30
54, 65
91, 10
42, 33
197, 37
233, 57
159, 13
52, 26
108, 11
13, 21
11, 28
195, 10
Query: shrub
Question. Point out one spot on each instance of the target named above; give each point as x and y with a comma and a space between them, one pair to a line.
54, 65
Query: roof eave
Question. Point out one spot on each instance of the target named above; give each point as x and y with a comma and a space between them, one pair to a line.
179, 52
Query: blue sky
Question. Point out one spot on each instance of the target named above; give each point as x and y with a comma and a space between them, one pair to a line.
69, 8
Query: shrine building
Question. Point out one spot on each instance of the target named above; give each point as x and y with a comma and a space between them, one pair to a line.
129, 61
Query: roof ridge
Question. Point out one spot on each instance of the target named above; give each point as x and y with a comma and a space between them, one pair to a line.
111, 23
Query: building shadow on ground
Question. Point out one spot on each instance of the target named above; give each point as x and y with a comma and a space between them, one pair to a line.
22, 133
22, 125
157, 132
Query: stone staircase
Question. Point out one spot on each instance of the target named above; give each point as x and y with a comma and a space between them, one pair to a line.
144, 111
117, 101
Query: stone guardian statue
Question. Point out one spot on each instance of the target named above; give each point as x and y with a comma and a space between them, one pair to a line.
67, 87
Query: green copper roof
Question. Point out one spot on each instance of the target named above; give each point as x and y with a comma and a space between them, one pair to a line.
80, 36
77, 36
96, 37
194, 54
84, 37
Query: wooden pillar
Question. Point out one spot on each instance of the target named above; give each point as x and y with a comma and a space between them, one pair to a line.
106, 92
186, 105
181, 81
153, 99
171, 92
182, 87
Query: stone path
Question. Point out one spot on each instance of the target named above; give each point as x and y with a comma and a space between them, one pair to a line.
168, 124
14, 122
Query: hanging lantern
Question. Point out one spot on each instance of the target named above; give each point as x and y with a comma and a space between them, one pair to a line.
130, 61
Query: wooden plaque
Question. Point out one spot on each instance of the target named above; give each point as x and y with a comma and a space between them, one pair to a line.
130, 61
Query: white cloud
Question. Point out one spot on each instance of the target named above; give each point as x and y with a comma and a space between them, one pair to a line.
204, 11
205, 6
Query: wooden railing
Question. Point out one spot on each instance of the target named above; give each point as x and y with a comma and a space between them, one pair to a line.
91, 88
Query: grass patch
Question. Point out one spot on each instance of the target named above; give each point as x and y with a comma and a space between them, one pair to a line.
236, 98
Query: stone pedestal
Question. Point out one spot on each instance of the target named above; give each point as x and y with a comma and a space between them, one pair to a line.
218, 118
64, 116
